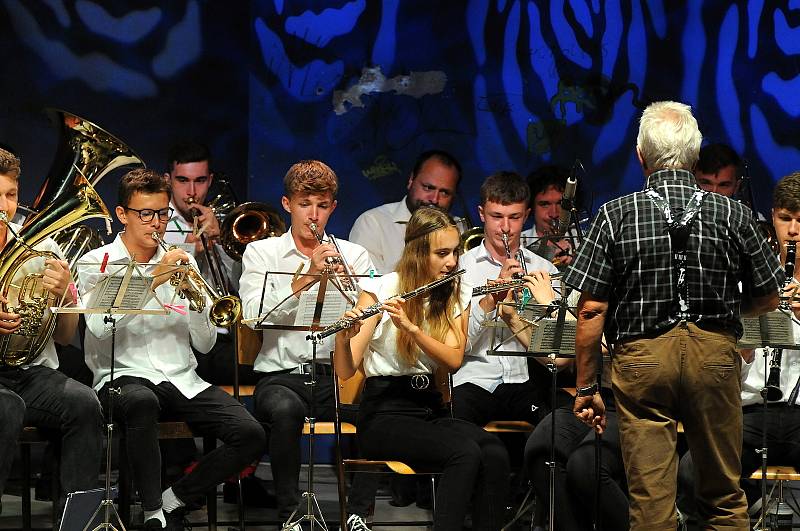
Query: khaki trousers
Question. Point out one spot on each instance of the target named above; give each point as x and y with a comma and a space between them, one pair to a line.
690, 375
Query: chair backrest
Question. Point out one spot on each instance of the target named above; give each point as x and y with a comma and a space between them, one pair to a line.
249, 344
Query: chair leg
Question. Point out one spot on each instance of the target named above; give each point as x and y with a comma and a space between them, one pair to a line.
433, 493
209, 444
26, 486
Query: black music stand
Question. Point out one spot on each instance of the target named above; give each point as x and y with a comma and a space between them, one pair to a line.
313, 513
546, 341
768, 331
116, 295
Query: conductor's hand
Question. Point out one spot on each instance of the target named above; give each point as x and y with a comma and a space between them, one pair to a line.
9, 322
396, 310
591, 411
56, 278
166, 266
350, 332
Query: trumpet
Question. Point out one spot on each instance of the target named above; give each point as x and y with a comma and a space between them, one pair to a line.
374, 309
519, 257
345, 282
773, 387
190, 284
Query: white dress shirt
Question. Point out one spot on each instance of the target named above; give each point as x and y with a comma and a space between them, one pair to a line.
284, 349
753, 373
381, 231
48, 356
479, 368
381, 358
155, 347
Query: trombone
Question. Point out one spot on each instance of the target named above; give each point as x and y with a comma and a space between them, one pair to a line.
225, 309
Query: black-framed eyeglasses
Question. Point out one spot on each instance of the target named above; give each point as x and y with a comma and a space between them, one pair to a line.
147, 214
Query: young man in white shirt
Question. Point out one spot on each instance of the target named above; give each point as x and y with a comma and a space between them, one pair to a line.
190, 176
283, 397
489, 387
380, 230
155, 364
36, 393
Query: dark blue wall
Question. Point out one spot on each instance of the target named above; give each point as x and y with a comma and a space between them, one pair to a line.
366, 84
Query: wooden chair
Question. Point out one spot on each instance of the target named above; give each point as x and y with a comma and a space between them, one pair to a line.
349, 392
30, 436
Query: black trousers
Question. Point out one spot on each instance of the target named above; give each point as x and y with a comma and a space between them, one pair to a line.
519, 401
139, 407
575, 484
398, 422
282, 402
46, 398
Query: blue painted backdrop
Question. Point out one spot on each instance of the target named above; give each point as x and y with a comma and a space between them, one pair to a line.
367, 84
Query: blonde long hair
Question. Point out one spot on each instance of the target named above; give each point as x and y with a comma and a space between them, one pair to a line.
413, 269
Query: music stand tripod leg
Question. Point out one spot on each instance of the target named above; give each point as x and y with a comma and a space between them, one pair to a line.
107, 505
313, 513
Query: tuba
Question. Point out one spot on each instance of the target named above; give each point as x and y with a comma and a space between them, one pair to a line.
21, 266
247, 223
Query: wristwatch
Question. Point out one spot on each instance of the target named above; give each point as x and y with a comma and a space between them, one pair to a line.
588, 391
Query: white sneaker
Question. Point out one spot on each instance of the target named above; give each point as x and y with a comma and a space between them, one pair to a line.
356, 523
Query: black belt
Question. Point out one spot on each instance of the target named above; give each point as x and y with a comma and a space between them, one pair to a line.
324, 369
415, 382
752, 408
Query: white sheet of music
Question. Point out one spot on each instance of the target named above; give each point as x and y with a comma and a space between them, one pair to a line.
779, 333
543, 336
137, 291
333, 307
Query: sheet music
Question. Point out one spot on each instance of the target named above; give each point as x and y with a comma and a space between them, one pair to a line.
543, 336
332, 309
137, 292
779, 331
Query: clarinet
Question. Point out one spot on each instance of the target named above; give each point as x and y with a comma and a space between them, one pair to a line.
774, 392
375, 309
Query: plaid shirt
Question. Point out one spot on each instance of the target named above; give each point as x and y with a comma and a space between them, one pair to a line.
626, 259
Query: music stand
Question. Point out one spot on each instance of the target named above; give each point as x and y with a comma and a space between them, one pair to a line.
334, 311
115, 295
546, 341
771, 330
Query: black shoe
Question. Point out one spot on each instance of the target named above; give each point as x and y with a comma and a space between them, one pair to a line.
153, 523
176, 520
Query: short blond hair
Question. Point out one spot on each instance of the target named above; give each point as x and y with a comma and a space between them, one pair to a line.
310, 177
9, 164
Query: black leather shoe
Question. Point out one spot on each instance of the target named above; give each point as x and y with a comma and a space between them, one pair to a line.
153, 523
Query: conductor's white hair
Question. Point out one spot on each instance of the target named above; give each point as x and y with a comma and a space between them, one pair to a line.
668, 136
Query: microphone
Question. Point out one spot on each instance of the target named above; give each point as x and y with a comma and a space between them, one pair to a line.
566, 204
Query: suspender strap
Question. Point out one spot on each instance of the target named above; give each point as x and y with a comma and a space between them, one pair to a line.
679, 231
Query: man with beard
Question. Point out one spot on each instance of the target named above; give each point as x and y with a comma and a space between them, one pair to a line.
433, 181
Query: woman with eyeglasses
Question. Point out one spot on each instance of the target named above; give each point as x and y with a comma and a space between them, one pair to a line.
154, 365
402, 416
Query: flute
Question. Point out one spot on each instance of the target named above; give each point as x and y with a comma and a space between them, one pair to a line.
375, 309
503, 285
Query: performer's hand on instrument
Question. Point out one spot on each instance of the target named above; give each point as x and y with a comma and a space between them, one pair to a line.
319, 257
9, 322
591, 411
563, 252
510, 267
396, 310
350, 332
207, 222
166, 266
56, 278
539, 283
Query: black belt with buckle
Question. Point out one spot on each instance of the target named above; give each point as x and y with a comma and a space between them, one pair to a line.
415, 382
324, 369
